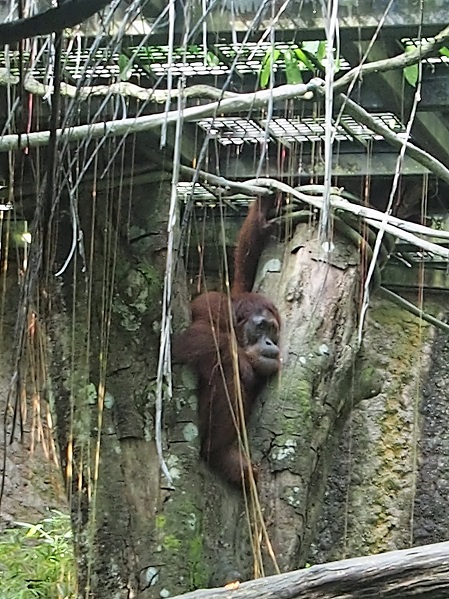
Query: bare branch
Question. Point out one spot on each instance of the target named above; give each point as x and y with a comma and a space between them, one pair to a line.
144, 123
123, 88
250, 190
396, 62
362, 116
366, 213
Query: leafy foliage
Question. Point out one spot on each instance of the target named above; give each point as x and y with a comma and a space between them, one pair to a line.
37, 560
293, 61
267, 66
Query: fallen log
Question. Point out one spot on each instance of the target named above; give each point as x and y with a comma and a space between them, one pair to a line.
419, 572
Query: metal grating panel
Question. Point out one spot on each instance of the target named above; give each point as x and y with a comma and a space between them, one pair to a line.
236, 131
191, 61
102, 68
249, 57
13, 62
310, 129
195, 60
204, 197
186, 190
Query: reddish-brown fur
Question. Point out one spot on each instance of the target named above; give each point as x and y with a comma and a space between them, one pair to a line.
207, 346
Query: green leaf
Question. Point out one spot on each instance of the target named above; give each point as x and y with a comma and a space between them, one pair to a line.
411, 74
444, 51
312, 47
125, 67
288, 56
292, 70
270, 58
302, 57
211, 59
321, 52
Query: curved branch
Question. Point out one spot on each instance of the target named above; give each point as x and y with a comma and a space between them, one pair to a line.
144, 123
396, 62
366, 213
68, 14
121, 88
227, 184
360, 115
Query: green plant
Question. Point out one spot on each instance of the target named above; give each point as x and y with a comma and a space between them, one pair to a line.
292, 59
411, 73
37, 560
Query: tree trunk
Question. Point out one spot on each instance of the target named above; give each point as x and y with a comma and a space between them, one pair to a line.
387, 487
296, 427
134, 536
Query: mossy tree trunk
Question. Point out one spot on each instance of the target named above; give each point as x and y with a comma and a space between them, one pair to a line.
295, 428
325, 374
386, 488
135, 537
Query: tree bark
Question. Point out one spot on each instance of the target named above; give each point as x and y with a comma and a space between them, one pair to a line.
134, 535
419, 572
325, 374
295, 429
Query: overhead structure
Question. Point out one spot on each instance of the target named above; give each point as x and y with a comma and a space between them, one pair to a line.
227, 46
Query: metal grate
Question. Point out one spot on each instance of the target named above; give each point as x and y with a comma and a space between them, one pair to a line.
218, 59
204, 197
190, 61
102, 68
186, 190
311, 129
195, 60
236, 131
13, 62
249, 57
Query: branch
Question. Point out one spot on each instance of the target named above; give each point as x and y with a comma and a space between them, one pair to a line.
226, 184
366, 213
406, 305
420, 572
396, 62
230, 103
362, 116
238, 103
68, 14
123, 88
